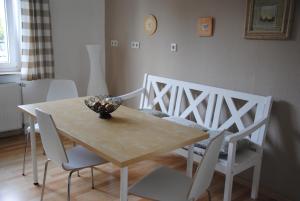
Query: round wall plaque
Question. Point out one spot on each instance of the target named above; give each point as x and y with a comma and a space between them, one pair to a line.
150, 24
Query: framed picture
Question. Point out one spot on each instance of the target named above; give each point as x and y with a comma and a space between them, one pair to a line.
269, 19
205, 26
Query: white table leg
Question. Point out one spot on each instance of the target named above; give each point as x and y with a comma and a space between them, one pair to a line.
124, 184
190, 161
33, 151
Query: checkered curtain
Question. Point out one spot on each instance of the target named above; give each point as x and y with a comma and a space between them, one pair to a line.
37, 60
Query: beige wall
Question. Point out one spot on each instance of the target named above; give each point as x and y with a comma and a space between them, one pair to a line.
76, 23
226, 60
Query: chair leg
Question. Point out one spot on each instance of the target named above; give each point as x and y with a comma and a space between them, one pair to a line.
255, 182
69, 184
228, 187
44, 180
25, 151
209, 195
74, 145
92, 172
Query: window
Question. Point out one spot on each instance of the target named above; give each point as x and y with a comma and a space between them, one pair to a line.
3, 34
9, 37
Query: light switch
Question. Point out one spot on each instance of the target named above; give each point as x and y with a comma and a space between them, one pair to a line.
173, 47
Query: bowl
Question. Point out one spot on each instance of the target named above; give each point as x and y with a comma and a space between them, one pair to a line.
103, 105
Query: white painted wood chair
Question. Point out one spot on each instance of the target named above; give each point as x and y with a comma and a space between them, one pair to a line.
245, 115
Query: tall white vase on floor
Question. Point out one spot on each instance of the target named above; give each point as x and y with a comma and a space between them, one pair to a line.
97, 83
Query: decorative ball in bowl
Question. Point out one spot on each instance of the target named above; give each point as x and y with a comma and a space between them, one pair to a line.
103, 105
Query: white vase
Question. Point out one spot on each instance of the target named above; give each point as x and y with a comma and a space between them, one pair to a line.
97, 83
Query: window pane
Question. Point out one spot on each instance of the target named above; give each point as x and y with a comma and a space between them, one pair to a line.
3, 34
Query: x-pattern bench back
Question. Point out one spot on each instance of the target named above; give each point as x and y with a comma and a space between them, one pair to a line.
177, 98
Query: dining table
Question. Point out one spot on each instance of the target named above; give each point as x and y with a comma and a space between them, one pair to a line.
129, 137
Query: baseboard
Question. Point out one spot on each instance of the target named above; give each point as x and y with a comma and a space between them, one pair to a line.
11, 133
262, 190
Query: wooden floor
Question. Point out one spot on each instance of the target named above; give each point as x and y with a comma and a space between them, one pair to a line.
15, 187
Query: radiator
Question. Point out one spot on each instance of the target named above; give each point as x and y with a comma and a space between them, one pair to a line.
10, 98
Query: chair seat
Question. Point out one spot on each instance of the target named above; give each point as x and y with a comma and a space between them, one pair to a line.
79, 158
36, 128
243, 157
163, 184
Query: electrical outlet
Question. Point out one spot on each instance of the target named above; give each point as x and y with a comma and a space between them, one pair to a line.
135, 45
173, 47
114, 43
132, 44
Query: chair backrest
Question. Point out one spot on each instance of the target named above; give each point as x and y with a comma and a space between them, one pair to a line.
159, 94
62, 89
52, 144
206, 168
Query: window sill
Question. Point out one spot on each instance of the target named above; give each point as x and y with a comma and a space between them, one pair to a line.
10, 73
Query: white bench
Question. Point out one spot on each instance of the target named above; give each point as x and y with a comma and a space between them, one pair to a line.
246, 115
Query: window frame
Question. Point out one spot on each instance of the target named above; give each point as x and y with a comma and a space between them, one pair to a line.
13, 37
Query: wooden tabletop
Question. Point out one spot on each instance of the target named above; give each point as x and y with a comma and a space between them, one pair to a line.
129, 137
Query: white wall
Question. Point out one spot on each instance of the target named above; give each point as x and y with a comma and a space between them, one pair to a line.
76, 23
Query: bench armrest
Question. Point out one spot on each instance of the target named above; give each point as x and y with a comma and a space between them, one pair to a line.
132, 94
248, 131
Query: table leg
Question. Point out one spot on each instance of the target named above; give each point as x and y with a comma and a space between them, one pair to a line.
33, 151
124, 184
190, 161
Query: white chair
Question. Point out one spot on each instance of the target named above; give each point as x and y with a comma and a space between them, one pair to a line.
62, 89
71, 160
166, 184
58, 90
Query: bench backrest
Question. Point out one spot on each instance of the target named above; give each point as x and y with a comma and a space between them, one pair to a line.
159, 94
211, 107
236, 110
195, 102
